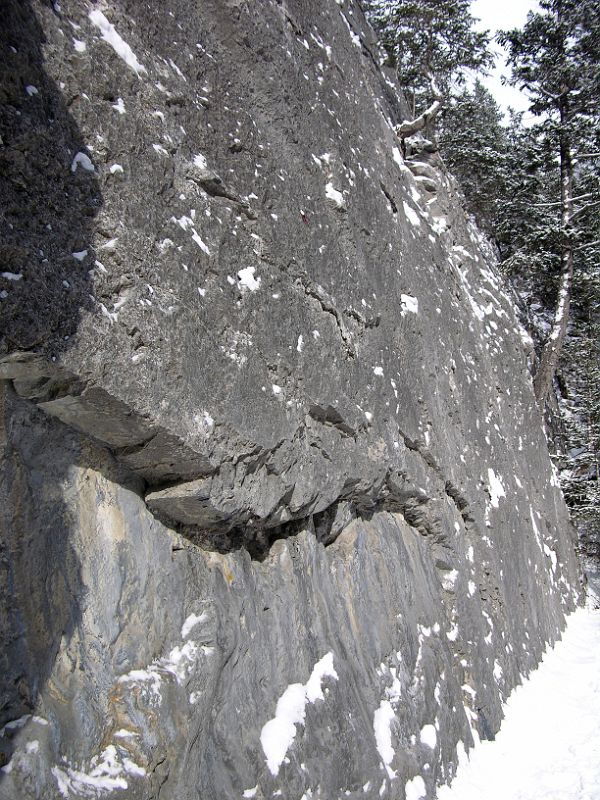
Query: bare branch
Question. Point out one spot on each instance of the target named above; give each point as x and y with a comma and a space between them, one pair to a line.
545, 92
588, 244
584, 207
559, 202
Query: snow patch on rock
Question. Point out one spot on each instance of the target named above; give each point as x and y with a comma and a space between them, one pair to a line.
408, 303
278, 733
111, 37
382, 728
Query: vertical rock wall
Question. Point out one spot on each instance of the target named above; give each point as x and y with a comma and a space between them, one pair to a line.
277, 510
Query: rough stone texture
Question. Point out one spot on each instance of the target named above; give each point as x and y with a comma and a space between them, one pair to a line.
276, 407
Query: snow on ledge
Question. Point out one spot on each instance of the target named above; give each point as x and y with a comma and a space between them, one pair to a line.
397, 156
382, 721
111, 37
82, 160
191, 622
411, 215
247, 280
334, 195
415, 789
278, 733
495, 488
105, 775
408, 303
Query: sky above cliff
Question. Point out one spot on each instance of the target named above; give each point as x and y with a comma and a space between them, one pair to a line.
495, 16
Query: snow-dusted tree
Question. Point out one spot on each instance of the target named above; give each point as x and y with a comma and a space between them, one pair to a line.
555, 59
528, 220
474, 144
430, 43
580, 365
578, 451
581, 404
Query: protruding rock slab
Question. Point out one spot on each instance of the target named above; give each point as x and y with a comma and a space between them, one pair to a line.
190, 504
97, 414
165, 458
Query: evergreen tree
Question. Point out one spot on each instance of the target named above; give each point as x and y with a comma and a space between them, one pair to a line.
430, 43
581, 368
554, 58
549, 227
579, 460
528, 222
474, 144
581, 404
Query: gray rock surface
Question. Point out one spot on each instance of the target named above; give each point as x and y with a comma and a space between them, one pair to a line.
277, 509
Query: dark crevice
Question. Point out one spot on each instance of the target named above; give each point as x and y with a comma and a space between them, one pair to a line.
290, 20
327, 304
458, 498
328, 415
460, 501
213, 185
416, 447
365, 322
390, 199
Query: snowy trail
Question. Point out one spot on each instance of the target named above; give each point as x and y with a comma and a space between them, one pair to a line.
549, 745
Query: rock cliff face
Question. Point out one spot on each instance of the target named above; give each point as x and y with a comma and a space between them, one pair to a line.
278, 517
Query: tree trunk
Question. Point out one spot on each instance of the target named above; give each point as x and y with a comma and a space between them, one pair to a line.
410, 127
551, 351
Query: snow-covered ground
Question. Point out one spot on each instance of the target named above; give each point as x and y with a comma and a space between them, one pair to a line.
549, 745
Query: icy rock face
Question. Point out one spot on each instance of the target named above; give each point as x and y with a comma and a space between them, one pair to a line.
278, 517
